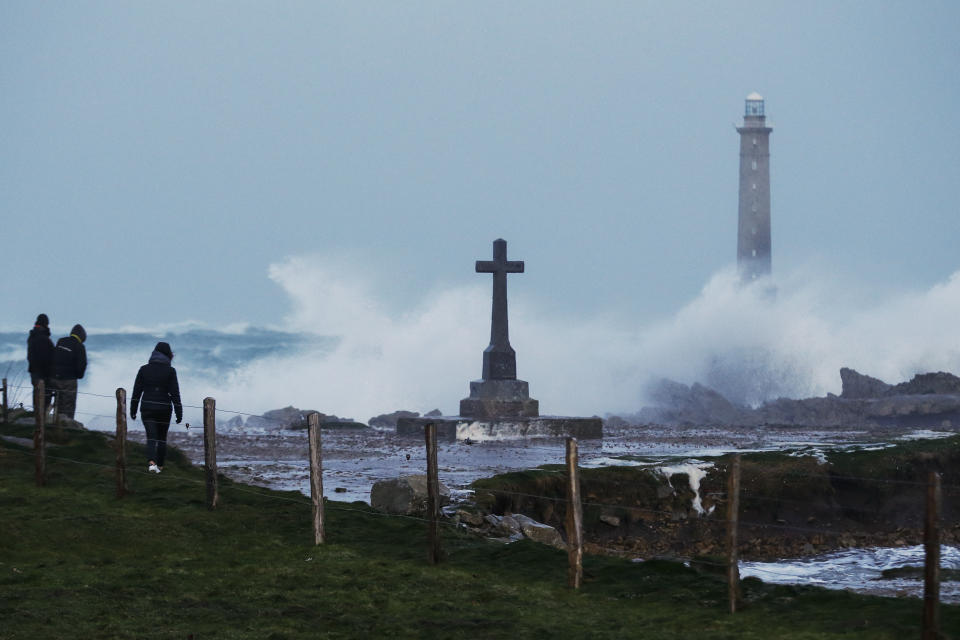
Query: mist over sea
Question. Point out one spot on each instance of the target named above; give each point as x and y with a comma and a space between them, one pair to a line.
340, 351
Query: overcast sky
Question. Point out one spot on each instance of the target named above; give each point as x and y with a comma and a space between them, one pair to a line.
157, 158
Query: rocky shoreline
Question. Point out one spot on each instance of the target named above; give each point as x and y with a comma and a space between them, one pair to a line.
929, 400
790, 506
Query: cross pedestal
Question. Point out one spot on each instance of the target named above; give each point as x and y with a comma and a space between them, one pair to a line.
499, 393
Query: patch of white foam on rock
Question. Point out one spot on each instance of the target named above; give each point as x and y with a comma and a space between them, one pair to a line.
696, 471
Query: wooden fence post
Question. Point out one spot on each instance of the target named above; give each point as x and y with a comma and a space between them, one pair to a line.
121, 442
39, 444
733, 521
210, 450
574, 520
4, 400
316, 477
433, 494
931, 567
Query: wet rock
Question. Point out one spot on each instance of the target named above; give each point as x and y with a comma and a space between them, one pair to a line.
613, 521
332, 422
405, 496
939, 383
676, 403
286, 418
664, 491
929, 400
857, 385
539, 532
507, 540
389, 420
472, 519
509, 525
615, 422
234, 423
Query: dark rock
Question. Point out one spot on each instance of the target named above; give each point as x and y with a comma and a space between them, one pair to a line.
615, 422
389, 420
857, 385
287, 418
332, 422
234, 423
539, 532
404, 496
613, 521
473, 519
432, 414
940, 383
294, 418
930, 400
676, 403
509, 525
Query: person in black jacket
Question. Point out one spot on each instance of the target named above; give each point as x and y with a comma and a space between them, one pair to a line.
157, 383
40, 356
69, 365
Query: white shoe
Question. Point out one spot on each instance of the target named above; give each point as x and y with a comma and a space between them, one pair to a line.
153, 468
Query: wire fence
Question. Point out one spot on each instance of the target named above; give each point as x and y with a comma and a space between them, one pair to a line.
706, 520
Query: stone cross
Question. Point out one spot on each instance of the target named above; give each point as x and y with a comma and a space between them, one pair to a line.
499, 359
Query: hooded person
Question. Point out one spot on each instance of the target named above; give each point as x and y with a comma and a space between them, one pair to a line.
157, 384
68, 365
40, 356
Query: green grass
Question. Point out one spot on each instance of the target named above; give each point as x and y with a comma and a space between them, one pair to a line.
75, 562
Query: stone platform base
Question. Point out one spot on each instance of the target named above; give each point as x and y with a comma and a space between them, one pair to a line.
499, 400
478, 430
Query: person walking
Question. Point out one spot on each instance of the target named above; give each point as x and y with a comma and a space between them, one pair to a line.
157, 383
40, 356
69, 365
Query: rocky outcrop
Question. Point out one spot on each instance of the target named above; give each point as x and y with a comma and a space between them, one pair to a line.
389, 420
539, 532
406, 495
857, 385
286, 418
789, 504
510, 527
939, 383
21, 418
234, 423
294, 418
676, 403
929, 400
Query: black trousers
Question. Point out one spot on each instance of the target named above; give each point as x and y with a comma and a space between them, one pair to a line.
156, 425
47, 389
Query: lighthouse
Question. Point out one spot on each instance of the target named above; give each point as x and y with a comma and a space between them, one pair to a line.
753, 232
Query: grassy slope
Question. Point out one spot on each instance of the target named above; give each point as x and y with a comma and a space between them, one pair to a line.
77, 563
